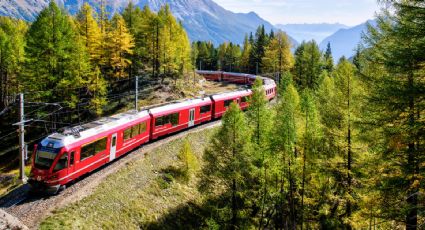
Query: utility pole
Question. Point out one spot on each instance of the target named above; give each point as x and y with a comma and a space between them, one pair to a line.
137, 94
21, 132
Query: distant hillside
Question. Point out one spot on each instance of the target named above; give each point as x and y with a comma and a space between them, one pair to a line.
306, 32
203, 19
344, 41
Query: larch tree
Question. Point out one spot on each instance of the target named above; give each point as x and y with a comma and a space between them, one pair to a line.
311, 137
278, 56
394, 72
259, 117
12, 54
90, 33
55, 59
121, 46
229, 166
284, 145
244, 62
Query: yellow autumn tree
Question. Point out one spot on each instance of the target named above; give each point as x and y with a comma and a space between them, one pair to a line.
278, 56
90, 33
120, 44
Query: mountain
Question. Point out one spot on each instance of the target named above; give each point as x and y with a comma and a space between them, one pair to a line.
307, 32
344, 41
203, 19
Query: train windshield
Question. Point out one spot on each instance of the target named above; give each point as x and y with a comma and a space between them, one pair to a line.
45, 156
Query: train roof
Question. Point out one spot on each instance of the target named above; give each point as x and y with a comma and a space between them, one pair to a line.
169, 108
241, 74
207, 72
71, 135
229, 95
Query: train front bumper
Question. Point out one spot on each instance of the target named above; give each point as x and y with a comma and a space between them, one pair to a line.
41, 187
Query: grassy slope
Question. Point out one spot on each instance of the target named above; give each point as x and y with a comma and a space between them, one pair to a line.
138, 195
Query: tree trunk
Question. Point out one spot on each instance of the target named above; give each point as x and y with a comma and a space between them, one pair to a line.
412, 166
234, 207
303, 173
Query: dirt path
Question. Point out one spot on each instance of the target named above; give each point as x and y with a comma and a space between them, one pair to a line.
31, 210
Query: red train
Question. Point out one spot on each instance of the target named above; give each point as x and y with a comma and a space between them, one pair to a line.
63, 157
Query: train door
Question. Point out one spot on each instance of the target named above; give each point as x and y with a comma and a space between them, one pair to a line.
71, 167
191, 117
113, 150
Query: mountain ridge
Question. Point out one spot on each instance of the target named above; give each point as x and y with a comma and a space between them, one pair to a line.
204, 20
344, 41
310, 31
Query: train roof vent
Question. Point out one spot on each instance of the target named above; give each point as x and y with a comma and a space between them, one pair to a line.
74, 131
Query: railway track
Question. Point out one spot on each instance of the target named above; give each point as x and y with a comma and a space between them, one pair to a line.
32, 209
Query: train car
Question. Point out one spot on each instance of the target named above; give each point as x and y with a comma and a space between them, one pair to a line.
174, 117
211, 75
222, 101
65, 156
269, 88
237, 78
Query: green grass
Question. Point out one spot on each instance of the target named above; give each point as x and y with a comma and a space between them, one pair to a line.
11, 180
142, 192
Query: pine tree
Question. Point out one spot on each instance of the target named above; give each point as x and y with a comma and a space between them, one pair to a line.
229, 166
328, 59
308, 65
258, 51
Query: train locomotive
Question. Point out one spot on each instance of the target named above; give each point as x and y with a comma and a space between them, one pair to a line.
65, 156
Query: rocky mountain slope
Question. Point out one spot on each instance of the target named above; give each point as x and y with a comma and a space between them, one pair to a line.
203, 19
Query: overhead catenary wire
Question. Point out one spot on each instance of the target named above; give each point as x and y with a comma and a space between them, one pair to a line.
85, 87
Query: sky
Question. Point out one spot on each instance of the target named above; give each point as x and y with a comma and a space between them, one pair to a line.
348, 12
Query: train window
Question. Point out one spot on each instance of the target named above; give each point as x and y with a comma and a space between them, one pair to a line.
87, 151
93, 148
71, 160
245, 99
101, 145
142, 127
62, 163
114, 141
159, 121
127, 134
205, 109
171, 118
227, 103
174, 119
134, 131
